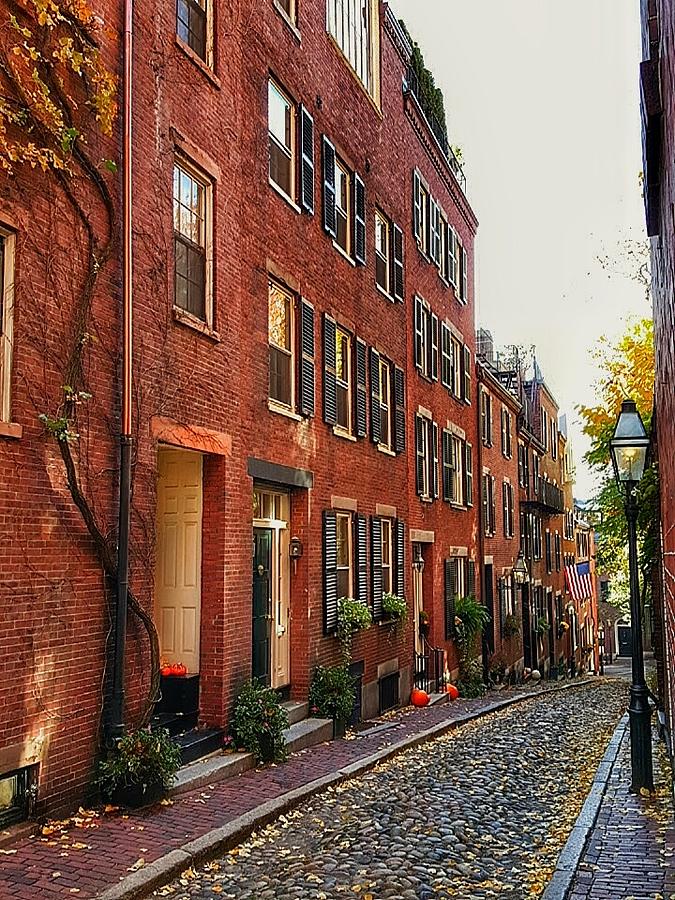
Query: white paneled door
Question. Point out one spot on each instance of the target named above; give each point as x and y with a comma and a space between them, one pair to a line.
179, 556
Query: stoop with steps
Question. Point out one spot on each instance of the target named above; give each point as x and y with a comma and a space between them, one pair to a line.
302, 732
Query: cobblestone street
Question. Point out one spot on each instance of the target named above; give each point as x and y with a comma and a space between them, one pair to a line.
478, 813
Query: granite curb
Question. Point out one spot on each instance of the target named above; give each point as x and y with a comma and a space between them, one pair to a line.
571, 854
158, 873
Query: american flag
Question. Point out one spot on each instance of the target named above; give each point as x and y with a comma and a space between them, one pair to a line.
579, 580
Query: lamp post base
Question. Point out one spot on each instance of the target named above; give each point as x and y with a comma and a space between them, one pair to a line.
640, 716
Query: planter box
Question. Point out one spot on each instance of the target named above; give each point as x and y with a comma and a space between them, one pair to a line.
136, 796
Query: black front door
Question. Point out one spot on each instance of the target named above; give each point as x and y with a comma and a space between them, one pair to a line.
262, 602
527, 628
551, 635
625, 640
490, 606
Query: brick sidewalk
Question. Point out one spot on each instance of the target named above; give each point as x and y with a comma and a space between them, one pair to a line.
93, 852
631, 849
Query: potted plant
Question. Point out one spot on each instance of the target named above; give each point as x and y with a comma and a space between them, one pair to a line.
259, 721
542, 626
470, 619
331, 696
140, 768
394, 609
353, 616
425, 623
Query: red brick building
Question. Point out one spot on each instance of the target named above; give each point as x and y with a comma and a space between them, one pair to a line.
305, 418
657, 79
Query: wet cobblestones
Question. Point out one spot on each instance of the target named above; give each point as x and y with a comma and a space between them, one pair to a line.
479, 813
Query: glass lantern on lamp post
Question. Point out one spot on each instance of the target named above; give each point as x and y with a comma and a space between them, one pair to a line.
628, 448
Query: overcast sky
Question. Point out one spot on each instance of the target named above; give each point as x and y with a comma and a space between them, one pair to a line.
543, 98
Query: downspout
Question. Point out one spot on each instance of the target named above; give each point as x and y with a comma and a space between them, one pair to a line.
117, 711
485, 650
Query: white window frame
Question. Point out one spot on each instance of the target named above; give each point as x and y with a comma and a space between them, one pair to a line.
385, 379
339, 211
349, 383
457, 492
207, 6
273, 283
384, 224
358, 46
273, 85
7, 324
387, 542
182, 162
457, 349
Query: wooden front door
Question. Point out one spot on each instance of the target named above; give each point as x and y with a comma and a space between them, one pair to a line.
179, 556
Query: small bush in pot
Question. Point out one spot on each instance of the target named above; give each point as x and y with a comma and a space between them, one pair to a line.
332, 694
258, 722
353, 616
511, 626
140, 768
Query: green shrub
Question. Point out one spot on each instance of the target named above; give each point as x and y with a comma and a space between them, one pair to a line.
472, 616
258, 722
542, 626
511, 626
141, 757
470, 683
353, 616
332, 693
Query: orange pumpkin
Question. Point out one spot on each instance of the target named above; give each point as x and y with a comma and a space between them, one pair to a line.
451, 691
166, 669
419, 698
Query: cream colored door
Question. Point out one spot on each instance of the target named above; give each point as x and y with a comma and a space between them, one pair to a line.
418, 598
281, 617
179, 556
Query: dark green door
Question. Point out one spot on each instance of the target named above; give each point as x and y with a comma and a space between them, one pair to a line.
262, 602
527, 628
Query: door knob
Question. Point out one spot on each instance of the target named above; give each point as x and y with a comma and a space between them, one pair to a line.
261, 570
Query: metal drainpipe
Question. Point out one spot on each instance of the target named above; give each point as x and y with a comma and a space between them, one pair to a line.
485, 650
117, 708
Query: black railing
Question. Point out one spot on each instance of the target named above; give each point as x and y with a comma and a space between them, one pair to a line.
548, 496
412, 86
428, 669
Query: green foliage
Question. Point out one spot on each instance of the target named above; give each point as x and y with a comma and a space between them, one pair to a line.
542, 626
259, 721
332, 693
430, 97
497, 666
140, 758
511, 626
353, 616
394, 607
470, 682
470, 619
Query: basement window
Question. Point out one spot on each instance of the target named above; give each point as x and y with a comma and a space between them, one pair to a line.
14, 797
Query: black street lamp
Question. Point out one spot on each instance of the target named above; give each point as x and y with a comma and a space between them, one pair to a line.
601, 643
629, 454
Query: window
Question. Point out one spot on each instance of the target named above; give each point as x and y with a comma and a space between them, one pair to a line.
7, 242
536, 536
343, 373
486, 418
558, 551
536, 478
426, 456
444, 265
387, 580
421, 222
507, 422
544, 429
453, 257
426, 340
457, 491
549, 553
385, 405
192, 26
554, 439
463, 286
354, 27
281, 345
14, 788
288, 7
489, 504
344, 555
456, 368
508, 509
382, 243
192, 241
281, 120
523, 466
342, 204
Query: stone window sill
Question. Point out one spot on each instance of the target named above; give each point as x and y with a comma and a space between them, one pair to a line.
282, 410
284, 196
341, 433
11, 430
185, 318
199, 62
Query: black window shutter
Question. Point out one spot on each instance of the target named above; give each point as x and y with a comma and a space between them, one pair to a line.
419, 333
329, 217
417, 206
306, 368
399, 553
420, 461
397, 287
359, 221
399, 410
470, 578
433, 346
361, 397
446, 356
466, 381
330, 597
361, 557
446, 464
434, 459
450, 593
307, 163
468, 474
450, 253
505, 508
329, 383
376, 565
374, 396
493, 505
